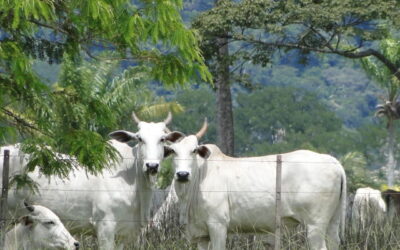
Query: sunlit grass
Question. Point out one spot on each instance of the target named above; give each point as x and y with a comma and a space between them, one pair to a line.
170, 236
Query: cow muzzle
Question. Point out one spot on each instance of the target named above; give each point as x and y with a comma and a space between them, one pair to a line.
182, 176
76, 244
152, 168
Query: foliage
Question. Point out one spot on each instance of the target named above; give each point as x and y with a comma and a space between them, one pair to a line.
90, 100
357, 174
276, 120
260, 28
74, 115
391, 108
340, 84
385, 79
199, 104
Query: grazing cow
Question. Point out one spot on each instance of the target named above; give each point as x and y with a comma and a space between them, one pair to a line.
41, 228
115, 202
219, 194
392, 200
368, 207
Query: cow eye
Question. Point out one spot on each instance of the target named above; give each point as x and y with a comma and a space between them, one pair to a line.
140, 139
49, 223
162, 139
194, 151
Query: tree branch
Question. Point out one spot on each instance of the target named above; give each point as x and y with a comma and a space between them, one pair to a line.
327, 49
20, 120
56, 28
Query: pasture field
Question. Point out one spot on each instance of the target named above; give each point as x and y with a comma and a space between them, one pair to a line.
171, 237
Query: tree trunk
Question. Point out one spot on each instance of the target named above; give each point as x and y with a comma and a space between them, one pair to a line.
391, 163
225, 133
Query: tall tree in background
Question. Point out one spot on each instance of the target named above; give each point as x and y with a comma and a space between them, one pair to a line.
390, 109
261, 28
149, 34
225, 129
216, 50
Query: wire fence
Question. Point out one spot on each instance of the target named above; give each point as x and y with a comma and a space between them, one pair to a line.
214, 190
241, 160
255, 159
257, 188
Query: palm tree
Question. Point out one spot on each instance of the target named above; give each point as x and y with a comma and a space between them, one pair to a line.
391, 106
117, 92
89, 100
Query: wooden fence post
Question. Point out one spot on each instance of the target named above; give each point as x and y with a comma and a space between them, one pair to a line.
278, 204
4, 197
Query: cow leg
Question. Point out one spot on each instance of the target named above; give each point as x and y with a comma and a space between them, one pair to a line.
218, 233
105, 234
316, 237
333, 230
203, 244
333, 238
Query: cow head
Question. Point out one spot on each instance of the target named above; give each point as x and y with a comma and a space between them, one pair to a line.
151, 138
45, 230
185, 154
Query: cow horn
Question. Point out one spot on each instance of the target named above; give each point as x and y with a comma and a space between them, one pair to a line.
29, 207
135, 118
203, 130
169, 118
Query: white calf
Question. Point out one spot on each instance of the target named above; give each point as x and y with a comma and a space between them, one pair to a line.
41, 228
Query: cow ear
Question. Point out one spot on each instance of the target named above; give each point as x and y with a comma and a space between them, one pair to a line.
174, 136
168, 151
123, 136
26, 221
203, 151
30, 208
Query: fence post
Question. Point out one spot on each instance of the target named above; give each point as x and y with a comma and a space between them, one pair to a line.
278, 204
4, 197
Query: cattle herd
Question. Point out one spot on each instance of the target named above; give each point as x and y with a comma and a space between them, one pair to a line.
216, 194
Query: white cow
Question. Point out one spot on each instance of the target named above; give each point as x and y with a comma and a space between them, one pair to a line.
368, 207
41, 228
219, 194
115, 202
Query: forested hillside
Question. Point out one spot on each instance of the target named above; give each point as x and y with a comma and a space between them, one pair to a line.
283, 101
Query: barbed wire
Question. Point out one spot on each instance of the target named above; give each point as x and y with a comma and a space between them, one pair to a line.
161, 191
127, 221
233, 159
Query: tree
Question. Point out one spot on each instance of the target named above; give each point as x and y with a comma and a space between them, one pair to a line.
149, 34
390, 48
225, 134
97, 98
219, 62
260, 28
344, 28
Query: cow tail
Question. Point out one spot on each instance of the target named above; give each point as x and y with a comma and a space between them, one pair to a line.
343, 200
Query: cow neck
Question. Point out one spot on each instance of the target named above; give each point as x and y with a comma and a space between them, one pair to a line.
194, 189
127, 167
15, 237
144, 189
143, 179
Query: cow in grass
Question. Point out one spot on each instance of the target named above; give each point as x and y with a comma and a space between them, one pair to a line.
116, 202
368, 207
39, 229
218, 194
